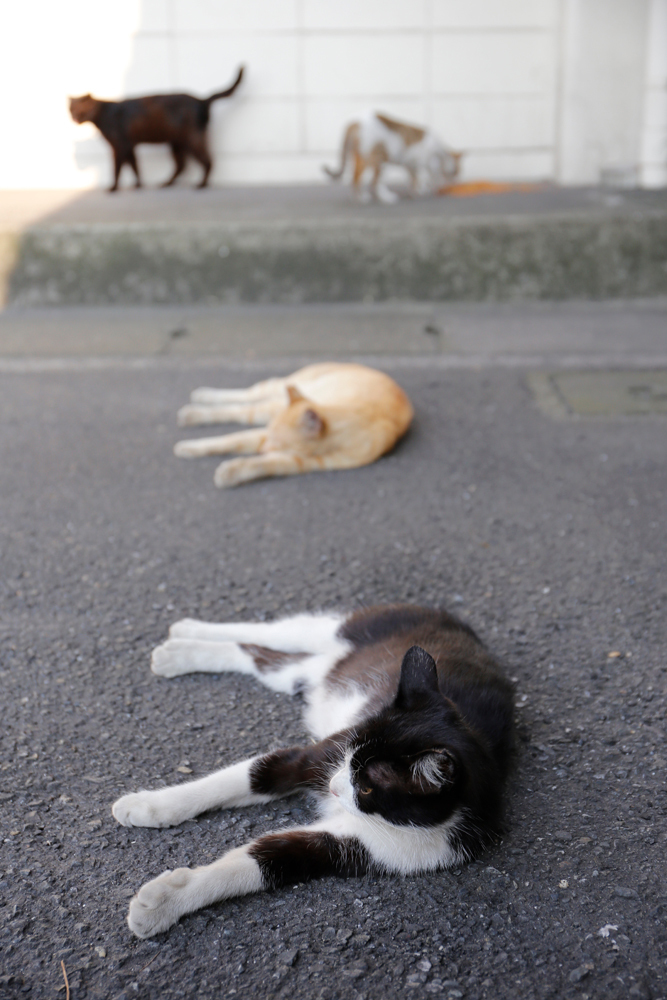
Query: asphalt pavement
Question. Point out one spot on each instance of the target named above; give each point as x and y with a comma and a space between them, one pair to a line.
540, 524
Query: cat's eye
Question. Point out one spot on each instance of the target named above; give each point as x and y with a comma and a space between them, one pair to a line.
365, 791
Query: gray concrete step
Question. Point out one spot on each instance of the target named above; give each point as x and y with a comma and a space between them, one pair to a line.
307, 245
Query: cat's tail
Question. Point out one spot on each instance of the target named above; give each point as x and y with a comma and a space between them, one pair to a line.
350, 142
229, 91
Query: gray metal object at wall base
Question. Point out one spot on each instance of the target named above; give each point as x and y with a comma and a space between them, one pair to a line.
556, 257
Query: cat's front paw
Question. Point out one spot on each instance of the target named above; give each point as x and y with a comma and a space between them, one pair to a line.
230, 473
140, 809
159, 903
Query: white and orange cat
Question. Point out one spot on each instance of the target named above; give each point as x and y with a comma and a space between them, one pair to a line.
324, 416
379, 139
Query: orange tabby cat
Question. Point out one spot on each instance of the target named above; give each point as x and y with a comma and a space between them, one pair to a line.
324, 416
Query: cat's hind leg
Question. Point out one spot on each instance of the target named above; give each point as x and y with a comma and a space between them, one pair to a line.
119, 158
198, 148
176, 657
303, 633
284, 672
179, 164
378, 189
273, 388
132, 160
360, 166
286, 655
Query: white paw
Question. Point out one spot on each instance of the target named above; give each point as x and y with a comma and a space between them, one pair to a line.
159, 903
386, 196
206, 396
141, 809
191, 414
167, 661
188, 449
185, 628
229, 473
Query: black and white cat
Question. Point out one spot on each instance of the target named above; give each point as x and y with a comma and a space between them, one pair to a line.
414, 722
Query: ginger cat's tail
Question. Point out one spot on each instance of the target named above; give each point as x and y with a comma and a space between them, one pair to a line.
350, 144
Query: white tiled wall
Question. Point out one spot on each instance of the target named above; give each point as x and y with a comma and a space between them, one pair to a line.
487, 75
654, 130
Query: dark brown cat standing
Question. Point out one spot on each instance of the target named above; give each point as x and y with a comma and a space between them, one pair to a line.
180, 120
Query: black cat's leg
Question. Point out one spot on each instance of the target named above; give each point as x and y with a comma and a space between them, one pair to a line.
293, 769
299, 855
179, 159
162, 807
288, 655
271, 861
199, 149
132, 160
118, 161
302, 633
258, 779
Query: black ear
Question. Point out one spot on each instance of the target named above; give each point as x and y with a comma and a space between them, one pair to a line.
419, 677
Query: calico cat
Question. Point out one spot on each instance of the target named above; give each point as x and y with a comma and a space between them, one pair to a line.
413, 719
379, 139
324, 416
180, 120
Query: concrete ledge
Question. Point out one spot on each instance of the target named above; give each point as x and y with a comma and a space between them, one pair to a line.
552, 254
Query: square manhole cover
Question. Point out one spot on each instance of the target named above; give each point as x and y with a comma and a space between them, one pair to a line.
600, 393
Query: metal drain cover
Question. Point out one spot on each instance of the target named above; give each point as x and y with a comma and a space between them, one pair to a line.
600, 393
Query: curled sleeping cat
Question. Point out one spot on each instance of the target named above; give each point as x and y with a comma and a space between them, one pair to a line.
413, 719
379, 139
324, 416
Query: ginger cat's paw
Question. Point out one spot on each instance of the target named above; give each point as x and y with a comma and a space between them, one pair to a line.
229, 473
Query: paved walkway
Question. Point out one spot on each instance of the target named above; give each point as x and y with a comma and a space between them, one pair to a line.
547, 535
614, 334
